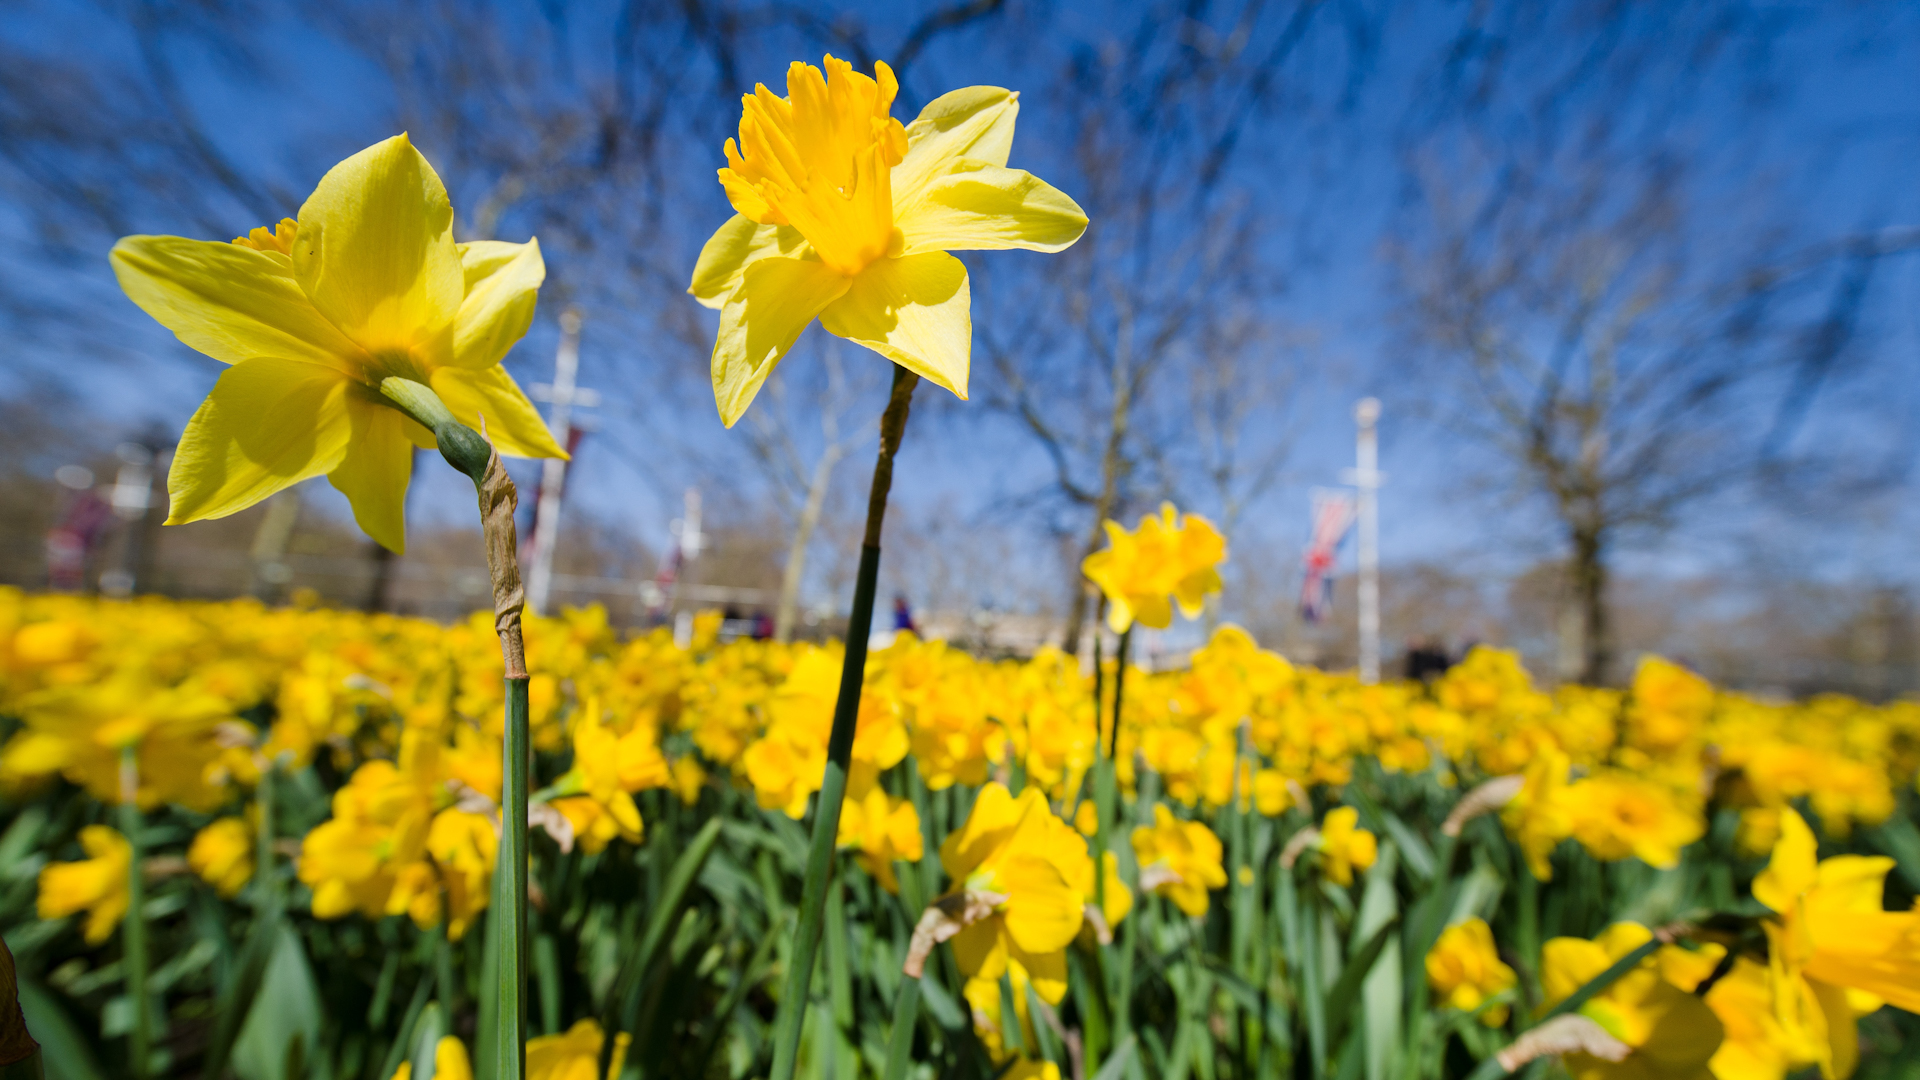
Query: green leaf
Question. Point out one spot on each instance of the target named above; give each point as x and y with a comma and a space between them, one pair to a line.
941, 1007
619, 1013
397, 1053
427, 1034
1117, 1063
286, 1008
1340, 1000
64, 1050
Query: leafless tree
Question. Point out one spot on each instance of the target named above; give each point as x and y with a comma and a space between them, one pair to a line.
1615, 341
1166, 286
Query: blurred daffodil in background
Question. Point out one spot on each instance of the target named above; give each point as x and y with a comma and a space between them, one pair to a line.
847, 216
1464, 970
365, 283
1345, 847
96, 885
1170, 559
1179, 860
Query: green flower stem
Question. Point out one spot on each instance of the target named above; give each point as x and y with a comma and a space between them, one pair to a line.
906, 1013
471, 454
134, 928
1119, 687
263, 875
510, 974
1491, 1069
846, 715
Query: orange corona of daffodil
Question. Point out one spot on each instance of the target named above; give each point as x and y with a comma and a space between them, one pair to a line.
97, 885
1344, 846
365, 284
1464, 970
1168, 560
847, 216
1180, 858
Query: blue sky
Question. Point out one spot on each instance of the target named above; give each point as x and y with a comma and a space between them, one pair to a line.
1816, 136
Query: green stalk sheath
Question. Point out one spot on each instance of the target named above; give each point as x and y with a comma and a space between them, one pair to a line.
906, 1013
846, 716
1119, 687
510, 978
134, 928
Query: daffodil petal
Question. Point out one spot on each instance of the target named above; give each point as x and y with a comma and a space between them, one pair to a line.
229, 302
978, 206
1043, 912
375, 251
981, 949
915, 311
1793, 869
972, 122
994, 816
728, 252
373, 476
512, 424
269, 424
499, 303
761, 320
1046, 972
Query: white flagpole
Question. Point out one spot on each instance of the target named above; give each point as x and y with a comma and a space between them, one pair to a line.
562, 395
1366, 478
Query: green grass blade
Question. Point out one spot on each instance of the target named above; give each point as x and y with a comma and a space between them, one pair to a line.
621, 1010
402, 1040
906, 1015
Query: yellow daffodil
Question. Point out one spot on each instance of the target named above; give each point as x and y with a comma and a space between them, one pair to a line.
1032, 870
603, 810
97, 885
1756, 1047
1672, 1033
1344, 846
222, 854
1168, 560
1833, 950
1670, 706
1537, 818
881, 829
575, 1054
989, 1019
1615, 816
1181, 859
365, 284
450, 1062
1464, 970
846, 216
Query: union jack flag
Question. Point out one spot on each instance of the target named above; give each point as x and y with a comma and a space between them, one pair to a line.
1333, 513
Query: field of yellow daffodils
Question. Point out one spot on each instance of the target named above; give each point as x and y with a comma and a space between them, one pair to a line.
275, 832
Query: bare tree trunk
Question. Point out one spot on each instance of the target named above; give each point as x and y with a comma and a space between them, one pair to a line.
796, 568
1587, 572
